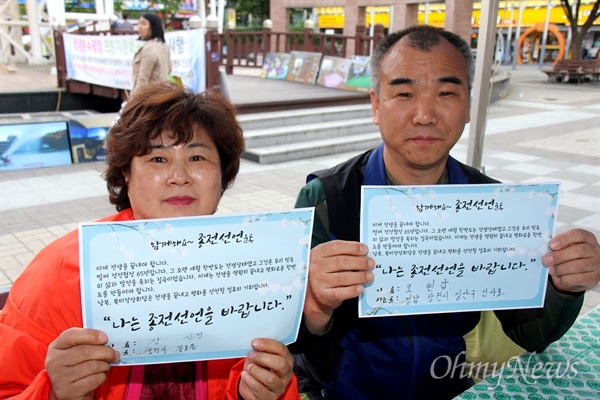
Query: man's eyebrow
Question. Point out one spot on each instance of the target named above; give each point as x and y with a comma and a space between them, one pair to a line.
402, 81
408, 81
451, 79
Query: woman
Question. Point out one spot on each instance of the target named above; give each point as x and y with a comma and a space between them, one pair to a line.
152, 62
171, 154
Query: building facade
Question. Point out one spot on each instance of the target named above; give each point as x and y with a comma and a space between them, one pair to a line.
403, 13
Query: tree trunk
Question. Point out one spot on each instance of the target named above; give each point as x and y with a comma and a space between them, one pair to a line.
576, 44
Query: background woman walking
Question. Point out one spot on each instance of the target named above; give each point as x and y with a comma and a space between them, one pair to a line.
152, 62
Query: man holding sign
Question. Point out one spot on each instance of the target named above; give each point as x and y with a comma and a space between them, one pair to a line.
421, 82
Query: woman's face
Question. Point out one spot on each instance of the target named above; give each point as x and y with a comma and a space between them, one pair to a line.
176, 181
144, 28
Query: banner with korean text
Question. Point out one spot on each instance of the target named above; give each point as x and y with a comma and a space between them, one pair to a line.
195, 288
455, 248
107, 60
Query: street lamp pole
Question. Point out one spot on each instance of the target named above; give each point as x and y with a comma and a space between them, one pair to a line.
483, 81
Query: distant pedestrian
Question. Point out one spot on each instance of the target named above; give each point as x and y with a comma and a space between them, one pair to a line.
125, 24
585, 53
152, 62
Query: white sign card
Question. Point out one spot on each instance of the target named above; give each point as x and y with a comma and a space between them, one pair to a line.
451, 248
201, 288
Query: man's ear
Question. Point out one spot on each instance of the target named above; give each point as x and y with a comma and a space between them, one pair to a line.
468, 112
375, 106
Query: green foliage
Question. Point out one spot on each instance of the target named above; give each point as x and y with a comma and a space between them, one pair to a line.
168, 11
252, 28
260, 9
79, 6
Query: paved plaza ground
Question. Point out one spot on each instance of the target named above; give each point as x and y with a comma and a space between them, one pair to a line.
539, 132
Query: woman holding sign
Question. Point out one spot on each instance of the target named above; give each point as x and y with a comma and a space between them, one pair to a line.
171, 154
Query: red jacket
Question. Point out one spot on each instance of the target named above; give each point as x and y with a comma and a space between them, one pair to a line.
45, 301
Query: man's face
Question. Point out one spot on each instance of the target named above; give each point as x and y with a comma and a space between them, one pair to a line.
422, 108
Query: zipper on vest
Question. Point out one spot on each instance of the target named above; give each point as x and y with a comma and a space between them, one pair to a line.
413, 375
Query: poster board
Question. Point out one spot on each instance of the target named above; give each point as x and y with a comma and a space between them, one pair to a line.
358, 74
333, 72
304, 67
87, 135
275, 65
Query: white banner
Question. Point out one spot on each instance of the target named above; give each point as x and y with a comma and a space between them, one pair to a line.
107, 60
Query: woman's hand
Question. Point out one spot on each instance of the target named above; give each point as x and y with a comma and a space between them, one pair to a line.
267, 371
77, 362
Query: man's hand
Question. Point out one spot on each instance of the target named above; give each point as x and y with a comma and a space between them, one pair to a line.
574, 262
77, 362
338, 270
267, 371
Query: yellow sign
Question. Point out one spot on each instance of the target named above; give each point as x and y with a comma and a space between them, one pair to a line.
327, 21
380, 18
333, 17
331, 21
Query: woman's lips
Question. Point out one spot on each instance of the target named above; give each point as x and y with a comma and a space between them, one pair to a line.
180, 200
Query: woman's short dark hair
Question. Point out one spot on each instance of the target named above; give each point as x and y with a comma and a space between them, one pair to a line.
156, 28
424, 38
165, 107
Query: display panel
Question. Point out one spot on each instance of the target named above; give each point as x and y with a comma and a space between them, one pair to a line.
333, 72
34, 145
275, 66
87, 137
304, 67
359, 74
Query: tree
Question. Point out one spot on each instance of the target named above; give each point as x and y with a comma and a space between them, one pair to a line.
167, 12
260, 9
571, 8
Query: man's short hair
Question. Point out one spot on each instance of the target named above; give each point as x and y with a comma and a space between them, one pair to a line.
424, 38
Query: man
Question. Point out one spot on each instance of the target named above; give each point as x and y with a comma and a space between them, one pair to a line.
421, 82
